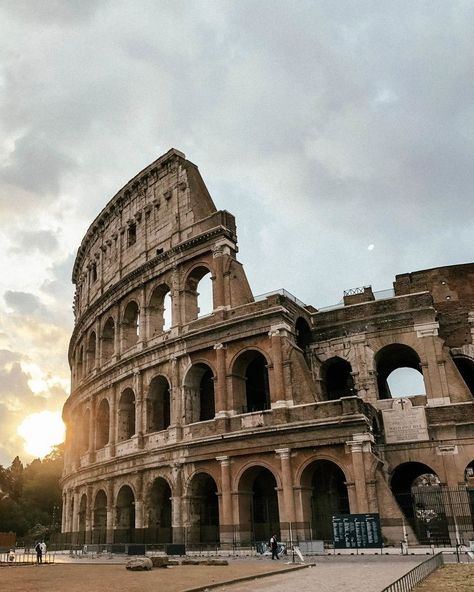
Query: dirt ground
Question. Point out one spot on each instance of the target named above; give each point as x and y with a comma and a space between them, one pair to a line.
449, 578
115, 578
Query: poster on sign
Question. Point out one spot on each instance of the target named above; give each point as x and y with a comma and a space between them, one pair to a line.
356, 531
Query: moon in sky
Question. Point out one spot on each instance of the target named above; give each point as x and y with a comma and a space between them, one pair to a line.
41, 431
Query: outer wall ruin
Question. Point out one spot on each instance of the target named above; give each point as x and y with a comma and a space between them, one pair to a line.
265, 415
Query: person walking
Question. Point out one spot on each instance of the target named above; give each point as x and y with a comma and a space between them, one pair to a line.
43, 550
274, 547
39, 553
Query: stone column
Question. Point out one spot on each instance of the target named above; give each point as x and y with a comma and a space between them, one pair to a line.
176, 396
92, 426
218, 278
89, 515
289, 513
177, 504
117, 334
278, 397
110, 511
143, 337
139, 503
139, 405
221, 386
358, 446
434, 371
226, 514
113, 419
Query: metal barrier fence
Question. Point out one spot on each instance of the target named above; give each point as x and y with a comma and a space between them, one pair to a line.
407, 582
24, 558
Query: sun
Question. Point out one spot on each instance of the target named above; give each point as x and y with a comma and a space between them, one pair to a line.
41, 431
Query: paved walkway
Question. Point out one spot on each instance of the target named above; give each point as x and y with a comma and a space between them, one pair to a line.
334, 574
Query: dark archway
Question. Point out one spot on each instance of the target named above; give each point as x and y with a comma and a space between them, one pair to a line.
99, 532
91, 352
125, 516
250, 382
82, 519
103, 424
258, 505
159, 318
84, 434
126, 415
337, 379
108, 340
325, 494
198, 304
131, 324
393, 357
303, 334
466, 370
158, 405
416, 488
199, 391
203, 510
159, 512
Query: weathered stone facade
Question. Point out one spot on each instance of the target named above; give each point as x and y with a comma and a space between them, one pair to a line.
265, 415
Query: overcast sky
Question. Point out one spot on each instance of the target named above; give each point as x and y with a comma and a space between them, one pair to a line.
340, 134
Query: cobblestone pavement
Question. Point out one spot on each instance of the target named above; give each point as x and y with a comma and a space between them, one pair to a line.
335, 574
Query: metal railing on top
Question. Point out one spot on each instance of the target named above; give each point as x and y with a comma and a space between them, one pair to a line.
416, 575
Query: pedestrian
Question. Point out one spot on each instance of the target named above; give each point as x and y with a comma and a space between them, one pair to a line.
274, 547
39, 553
43, 550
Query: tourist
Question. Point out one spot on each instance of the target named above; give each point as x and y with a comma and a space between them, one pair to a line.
39, 552
274, 547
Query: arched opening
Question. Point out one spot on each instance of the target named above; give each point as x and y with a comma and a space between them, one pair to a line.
258, 505
337, 379
82, 517
125, 516
131, 324
100, 518
159, 512
108, 340
303, 334
91, 352
102, 424
159, 310
466, 370
469, 480
84, 434
199, 394
126, 415
250, 382
198, 294
158, 405
80, 363
203, 510
393, 357
324, 493
416, 487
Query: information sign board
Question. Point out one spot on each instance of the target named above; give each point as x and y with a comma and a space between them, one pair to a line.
356, 531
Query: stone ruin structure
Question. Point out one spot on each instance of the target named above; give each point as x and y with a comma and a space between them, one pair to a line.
265, 415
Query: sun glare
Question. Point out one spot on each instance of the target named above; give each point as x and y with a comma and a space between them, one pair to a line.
41, 431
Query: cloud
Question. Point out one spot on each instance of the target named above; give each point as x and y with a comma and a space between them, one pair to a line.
24, 303
44, 241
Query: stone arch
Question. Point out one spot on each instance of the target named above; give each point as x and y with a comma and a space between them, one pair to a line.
416, 488
82, 518
125, 515
159, 511
303, 334
259, 516
394, 357
324, 493
336, 374
108, 340
126, 415
193, 304
203, 508
199, 393
158, 404
250, 381
465, 366
84, 433
80, 363
103, 424
91, 351
131, 324
99, 528
157, 305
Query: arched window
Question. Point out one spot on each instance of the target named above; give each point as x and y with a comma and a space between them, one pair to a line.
125, 517
80, 363
82, 515
303, 334
91, 351
159, 512
198, 294
203, 510
126, 418
103, 424
108, 340
158, 405
131, 324
337, 379
99, 528
408, 381
199, 394
159, 310
250, 382
84, 434
466, 370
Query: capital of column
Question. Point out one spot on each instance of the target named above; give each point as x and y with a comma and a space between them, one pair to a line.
224, 460
426, 329
220, 346
280, 330
283, 453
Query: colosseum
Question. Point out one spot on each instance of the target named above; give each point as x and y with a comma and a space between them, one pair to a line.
262, 414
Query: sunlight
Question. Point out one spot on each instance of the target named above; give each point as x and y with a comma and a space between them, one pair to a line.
41, 431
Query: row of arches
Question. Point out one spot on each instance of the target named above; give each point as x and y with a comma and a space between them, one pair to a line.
159, 312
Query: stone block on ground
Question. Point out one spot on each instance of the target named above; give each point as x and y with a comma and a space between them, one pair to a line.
139, 564
190, 562
160, 561
216, 562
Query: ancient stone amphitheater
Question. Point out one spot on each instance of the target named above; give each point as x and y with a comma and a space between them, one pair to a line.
264, 415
